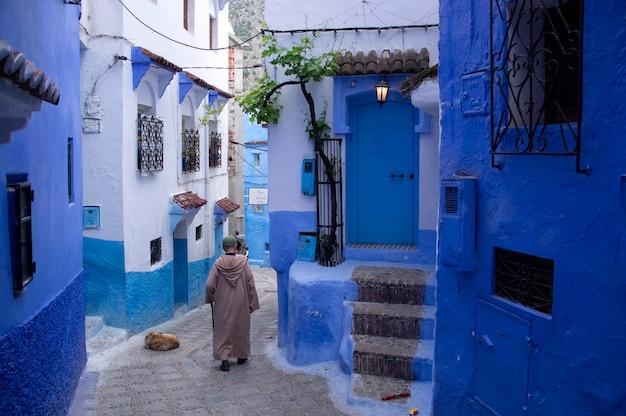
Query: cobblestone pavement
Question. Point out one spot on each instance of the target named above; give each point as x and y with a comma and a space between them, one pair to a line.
129, 379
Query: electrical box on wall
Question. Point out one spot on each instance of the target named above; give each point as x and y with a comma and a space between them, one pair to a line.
308, 176
306, 246
457, 228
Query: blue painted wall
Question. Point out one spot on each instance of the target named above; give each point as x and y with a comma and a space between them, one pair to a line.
285, 227
257, 223
135, 300
42, 330
105, 281
316, 311
284, 236
572, 361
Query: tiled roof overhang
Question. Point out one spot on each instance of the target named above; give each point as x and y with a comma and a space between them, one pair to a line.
189, 200
161, 60
143, 61
184, 205
223, 207
407, 87
388, 62
208, 86
25, 75
187, 80
227, 205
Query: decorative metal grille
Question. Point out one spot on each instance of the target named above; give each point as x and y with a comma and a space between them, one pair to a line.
150, 140
536, 77
191, 151
451, 200
330, 206
70, 175
155, 251
215, 150
524, 279
20, 197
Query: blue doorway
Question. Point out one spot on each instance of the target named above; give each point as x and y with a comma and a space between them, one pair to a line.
181, 265
382, 173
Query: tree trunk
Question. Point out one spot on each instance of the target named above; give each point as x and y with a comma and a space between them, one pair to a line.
328, 244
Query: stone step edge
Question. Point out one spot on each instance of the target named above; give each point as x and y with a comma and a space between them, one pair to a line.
368, 390
395, 363
408, 295
393, 275
93, 324
396, 281
422, 350
105, 339
393, 310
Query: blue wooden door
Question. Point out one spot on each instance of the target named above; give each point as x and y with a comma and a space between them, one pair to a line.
385, 177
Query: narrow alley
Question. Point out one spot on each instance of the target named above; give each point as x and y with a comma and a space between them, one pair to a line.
128, 379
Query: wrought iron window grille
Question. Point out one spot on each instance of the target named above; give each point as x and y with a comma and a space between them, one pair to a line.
191, 151
150, 143
155, 250
20, 234
524, 279
536, 78
215, 150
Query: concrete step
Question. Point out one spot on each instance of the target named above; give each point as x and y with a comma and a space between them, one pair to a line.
409, 359
394, 285
180, 309
93, 324
369, 390
103, 338
393, 320
393, 326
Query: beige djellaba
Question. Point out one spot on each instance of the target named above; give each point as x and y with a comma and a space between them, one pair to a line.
230, 288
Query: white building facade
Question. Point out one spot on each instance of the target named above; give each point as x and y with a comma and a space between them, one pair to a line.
387, 222
156, 181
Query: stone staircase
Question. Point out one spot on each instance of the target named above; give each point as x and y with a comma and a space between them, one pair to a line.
393, 325
99, 337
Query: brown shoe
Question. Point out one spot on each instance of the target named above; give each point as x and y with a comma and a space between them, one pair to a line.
225, 366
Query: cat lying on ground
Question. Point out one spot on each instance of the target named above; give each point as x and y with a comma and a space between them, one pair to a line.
160, 341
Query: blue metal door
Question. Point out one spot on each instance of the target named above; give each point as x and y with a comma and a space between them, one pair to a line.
385, 177
501, 366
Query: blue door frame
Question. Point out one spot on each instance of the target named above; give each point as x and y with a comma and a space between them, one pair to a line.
382, 171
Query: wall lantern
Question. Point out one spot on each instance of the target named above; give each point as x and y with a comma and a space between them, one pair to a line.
381, 92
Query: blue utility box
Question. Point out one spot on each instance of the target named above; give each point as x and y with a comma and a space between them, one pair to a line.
306, 246
308, 176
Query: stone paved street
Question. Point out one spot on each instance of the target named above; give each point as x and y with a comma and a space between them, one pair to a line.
128, 379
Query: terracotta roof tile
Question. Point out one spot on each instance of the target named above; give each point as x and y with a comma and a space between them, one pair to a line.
227, 205
161, 60
24, 74
188, 200
208, 86
387, 62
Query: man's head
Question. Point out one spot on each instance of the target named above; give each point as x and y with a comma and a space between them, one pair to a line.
229, 243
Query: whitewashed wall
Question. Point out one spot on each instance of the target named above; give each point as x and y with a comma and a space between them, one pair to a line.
288, 142
135, 208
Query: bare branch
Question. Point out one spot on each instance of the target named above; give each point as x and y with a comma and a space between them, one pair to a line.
277, 87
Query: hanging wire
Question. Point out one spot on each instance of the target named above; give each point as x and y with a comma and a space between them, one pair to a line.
183, 43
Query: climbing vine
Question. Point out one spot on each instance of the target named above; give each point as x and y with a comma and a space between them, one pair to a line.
301, 67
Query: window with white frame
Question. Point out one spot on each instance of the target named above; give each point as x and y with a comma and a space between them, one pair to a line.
149, 140
215, 149
188, 15
212, 32
190, 152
